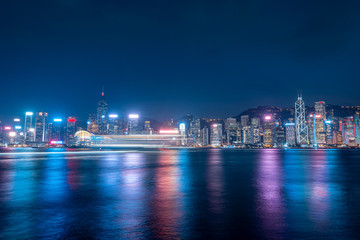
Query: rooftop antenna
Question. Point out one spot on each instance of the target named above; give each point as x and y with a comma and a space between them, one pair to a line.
102, 91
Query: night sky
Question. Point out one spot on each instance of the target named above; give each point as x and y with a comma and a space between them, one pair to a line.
168, 58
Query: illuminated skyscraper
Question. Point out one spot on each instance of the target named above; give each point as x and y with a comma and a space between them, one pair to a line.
244, 120
41, 127
290, 134
102, 114
231, 127
56, 130
302, 137
205, 136
255, 124
71, 129
348, 131
320, 117
133, 124
195, 130
216, 134
28, 128
268, 131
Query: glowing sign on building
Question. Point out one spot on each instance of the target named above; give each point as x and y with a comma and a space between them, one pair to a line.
268, 117
133, 116
71, 120
16, 119
113, 116
182, 127
57, 120
17, 127
7, 128
12, 134
29, 113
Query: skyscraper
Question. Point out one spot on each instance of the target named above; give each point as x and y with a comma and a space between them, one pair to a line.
302, 137
102, 114
231, 127
28, 130
216, 134
290, 134
268, 131
357, 127
255, 123
348, 131
41, 127
320, 117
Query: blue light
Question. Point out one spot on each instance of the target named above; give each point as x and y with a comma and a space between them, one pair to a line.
328, 121
18, 127
289, 124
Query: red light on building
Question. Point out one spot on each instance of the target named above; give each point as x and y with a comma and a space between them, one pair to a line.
317, 116
71, 120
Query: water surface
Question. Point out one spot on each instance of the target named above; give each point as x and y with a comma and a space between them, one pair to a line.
187, 194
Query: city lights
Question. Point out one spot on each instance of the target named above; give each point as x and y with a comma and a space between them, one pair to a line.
133, 116
12, 134
268, 117
113, 116
57, 120
7, 128
16, 119
168, 131
29, 113
17, 127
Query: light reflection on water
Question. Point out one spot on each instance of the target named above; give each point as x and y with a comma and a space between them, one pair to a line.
181, 194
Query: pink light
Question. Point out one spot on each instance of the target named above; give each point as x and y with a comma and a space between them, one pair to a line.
71, 120
168, 131
7, 128
317, 116
267, 117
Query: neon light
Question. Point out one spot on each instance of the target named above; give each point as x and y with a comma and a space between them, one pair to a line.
71, 120
17, 127
317, 116
56, 142
32, 129
328, 121
57, 120
29, 113
289, 124
7, 128
168, 131
268, 117
133, 116
113, 116
12, 134
16, 119
182, 126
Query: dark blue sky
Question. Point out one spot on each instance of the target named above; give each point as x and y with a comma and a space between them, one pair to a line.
167, 58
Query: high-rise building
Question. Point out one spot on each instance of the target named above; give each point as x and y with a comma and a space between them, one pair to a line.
320, 117
329, 131
255, 124
248, 134
133, 124
71, 129
113, 124
57, 131
244, 120
268, 131
195, 130
302, 137
102, 114
41, 127
348, 131
279, 136
205, 136
28, 128
216, 134
290, 134
231, 127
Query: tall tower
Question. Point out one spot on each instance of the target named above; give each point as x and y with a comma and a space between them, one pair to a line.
102, 114
302, 137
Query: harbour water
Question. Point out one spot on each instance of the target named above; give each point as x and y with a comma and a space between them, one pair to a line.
183, 194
